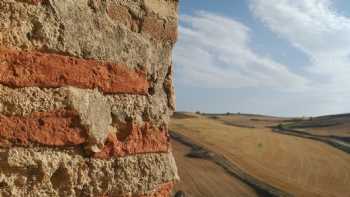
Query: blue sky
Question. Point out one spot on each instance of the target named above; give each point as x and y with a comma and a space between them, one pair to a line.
276, 57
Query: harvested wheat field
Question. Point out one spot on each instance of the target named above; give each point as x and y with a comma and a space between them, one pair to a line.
204, 178
294, 165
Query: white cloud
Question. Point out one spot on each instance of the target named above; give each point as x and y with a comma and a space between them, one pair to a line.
214, 51
317, 29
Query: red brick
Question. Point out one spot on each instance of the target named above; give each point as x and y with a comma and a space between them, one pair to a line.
146, 139
34, 2
159, 29
58, 128
63, 128
25, 69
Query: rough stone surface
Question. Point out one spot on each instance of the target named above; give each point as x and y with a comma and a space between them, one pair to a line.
86, 92
138, 108
163, 8
48, 172
24, 101
95, 114
160, 191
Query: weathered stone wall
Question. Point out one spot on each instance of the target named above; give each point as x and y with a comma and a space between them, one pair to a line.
85, 97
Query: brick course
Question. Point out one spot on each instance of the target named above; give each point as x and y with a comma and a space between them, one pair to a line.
86, 93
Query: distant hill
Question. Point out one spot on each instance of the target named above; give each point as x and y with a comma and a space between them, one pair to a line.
330, 125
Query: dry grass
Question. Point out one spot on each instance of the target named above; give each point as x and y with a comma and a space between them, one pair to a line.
252, 121
203, 178
299, 166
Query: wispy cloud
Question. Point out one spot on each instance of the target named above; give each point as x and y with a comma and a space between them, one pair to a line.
314, 27
214, 51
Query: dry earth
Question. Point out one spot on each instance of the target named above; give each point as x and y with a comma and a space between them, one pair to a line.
295, 165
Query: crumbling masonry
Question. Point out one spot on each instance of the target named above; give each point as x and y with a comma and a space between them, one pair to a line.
85, 97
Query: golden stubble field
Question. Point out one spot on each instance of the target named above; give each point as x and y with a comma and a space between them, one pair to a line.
301, 167
204, 178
